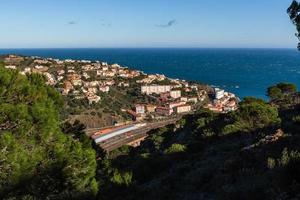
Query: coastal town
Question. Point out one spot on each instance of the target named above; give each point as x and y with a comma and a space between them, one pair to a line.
150, 100
155, 96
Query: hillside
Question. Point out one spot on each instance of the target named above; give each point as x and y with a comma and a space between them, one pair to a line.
250, 154
99, 94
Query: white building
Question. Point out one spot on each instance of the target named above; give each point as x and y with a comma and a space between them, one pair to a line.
61, 72
175, 104
109, 82
155, 89
123, 84
59, 78
115, 66
39, 67
10, 67
219, 94
193, 99
104, 88
140, 109
185, 99
104, 68
27, 70
175, 94
185, 84
92, 90
50, 78
183, 109
93, 99
91, 84
76, 82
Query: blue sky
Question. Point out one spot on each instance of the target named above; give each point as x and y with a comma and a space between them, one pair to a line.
145, 23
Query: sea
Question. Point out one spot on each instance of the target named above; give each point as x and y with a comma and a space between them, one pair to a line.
245, 72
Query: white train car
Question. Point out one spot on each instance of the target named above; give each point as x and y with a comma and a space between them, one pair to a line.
118, 132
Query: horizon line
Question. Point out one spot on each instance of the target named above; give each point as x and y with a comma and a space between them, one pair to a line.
15, 48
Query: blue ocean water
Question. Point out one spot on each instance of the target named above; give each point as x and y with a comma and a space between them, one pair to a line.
246, 72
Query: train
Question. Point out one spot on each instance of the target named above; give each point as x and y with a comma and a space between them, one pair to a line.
116, 132
108, 130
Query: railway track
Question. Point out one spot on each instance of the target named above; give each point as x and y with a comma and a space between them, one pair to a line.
136, 135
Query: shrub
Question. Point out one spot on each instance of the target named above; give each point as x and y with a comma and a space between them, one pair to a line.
175, 148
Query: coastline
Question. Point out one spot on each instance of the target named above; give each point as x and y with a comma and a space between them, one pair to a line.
219, 67
93, 85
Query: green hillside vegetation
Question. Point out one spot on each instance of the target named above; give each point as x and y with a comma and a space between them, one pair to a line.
252, 153
37, 159
249, 154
